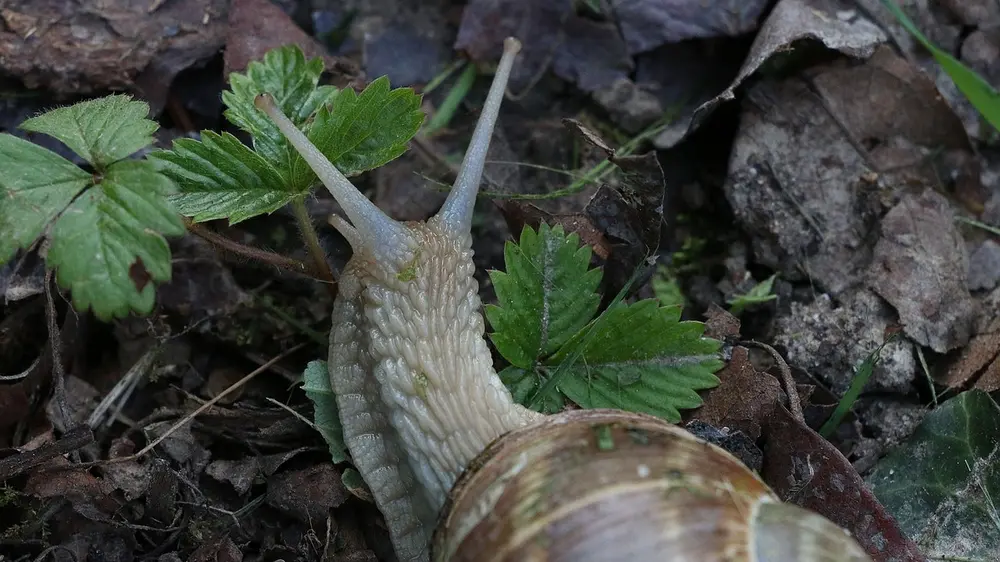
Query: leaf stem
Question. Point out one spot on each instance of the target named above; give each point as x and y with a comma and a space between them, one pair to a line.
311, 239
250, 252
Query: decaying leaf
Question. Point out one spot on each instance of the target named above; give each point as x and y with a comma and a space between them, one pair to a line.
647, 24
807, 470
307, 494
744, 398
795, 20
810, 158
979, 362
920, 266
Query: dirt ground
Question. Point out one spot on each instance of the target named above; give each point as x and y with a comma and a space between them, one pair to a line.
815, 141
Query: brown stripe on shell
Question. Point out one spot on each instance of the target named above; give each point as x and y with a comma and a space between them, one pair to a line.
599, 485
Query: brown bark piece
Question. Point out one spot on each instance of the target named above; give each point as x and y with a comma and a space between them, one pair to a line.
257, 26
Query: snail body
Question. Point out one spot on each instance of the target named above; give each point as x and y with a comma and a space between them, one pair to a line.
454, 463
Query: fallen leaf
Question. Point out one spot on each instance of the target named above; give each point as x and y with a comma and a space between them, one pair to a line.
978, 363
585, 52
307, 494
239, 473
942, 483
808, 471
629, 214
647, 24
920, 266
257, 26
744, 398
794, 20
720, 324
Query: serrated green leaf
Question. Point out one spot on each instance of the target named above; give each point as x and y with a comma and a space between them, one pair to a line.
101, 131
220, 177
112, 236
547, 294
642, 358
361, 132
292, 82
36, 184
316, 385
943, 484
523, 384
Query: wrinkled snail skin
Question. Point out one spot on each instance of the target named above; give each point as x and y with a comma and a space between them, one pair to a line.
420, 402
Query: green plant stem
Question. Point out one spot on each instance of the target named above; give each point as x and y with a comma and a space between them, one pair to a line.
311, 239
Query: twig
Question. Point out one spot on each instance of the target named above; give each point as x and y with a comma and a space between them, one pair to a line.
211, 403
72, 440
55, 339
311, 239
786, 377
243, 250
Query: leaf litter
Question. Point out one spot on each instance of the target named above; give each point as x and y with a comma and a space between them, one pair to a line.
822, 155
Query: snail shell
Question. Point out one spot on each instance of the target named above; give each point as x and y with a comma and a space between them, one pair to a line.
603, 485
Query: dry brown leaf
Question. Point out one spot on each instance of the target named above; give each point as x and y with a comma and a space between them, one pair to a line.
744, 398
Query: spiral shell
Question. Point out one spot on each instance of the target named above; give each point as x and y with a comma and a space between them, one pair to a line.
602, 485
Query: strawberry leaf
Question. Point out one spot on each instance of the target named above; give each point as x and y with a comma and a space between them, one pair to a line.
360, 132
36, 184
108, 244
547, 294
105, 230
101, 131
220, 177
639, 357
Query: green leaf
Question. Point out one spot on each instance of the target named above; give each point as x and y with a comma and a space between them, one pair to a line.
362, 132
547, 294
316, 385
220, 177
110, 238
943, 484
292, 81
101, 131
978, 91
640, 357
523, 384
36, 184
761, 292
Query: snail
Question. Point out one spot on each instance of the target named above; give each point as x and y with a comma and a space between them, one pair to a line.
459, 470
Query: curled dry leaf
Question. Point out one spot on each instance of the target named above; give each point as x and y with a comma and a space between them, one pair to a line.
794, 20
647, 24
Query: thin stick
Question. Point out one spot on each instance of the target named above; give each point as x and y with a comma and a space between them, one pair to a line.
212, 402
311, 239
55, 341
786, 378
250, 252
